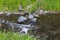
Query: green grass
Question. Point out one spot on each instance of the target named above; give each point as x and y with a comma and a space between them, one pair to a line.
52, 5
14, 36
12, 5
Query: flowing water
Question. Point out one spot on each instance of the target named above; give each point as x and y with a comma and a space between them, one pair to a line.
48, 26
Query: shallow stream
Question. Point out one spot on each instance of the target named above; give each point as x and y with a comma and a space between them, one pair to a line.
48, 24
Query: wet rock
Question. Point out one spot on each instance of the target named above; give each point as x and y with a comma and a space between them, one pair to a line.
43, 12
34, 19
22, 19
8, 13
30, 16
24, 31
35, 14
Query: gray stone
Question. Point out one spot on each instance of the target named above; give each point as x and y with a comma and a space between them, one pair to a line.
34, 19
41, 12
36, 15
30, 16
22, 19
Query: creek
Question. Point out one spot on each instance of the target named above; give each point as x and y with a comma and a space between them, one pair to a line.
47, 25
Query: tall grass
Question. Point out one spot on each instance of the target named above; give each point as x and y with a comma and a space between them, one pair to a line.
12, 5
14, 36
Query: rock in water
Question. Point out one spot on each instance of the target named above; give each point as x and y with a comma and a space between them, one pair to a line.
33, 21
30, 16
22, 19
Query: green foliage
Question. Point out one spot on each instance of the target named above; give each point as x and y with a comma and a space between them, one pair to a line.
52, 5
12, 5
14, 36
9, 5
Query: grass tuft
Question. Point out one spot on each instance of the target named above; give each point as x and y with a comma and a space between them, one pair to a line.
14, 36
